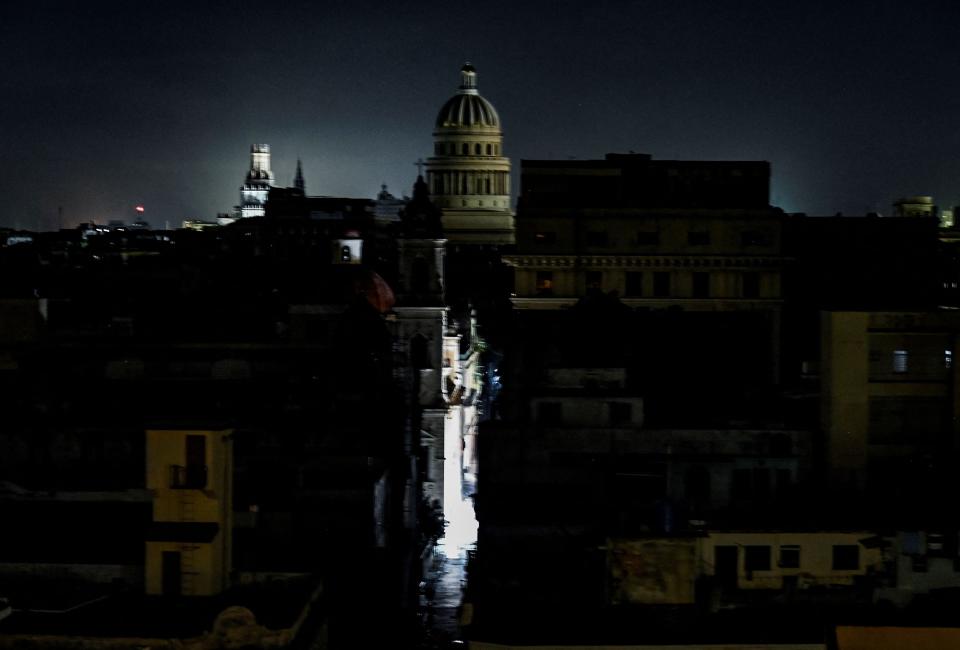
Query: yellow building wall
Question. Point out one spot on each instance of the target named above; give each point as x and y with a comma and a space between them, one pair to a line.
844, 392
816, 557
206, 566
204, 573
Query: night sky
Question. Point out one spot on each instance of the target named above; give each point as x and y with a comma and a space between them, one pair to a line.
108, 105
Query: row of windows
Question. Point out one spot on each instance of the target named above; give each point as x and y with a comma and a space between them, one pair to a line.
662, 284
601, 239
899, 360
845, 557
466, 149
469, 183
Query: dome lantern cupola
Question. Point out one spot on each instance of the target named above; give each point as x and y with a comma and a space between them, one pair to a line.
468, 80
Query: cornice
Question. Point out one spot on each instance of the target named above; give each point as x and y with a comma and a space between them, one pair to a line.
645, 261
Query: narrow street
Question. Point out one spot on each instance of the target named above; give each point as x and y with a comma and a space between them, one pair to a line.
446, 581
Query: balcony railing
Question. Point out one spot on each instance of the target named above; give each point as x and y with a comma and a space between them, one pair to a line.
189, 477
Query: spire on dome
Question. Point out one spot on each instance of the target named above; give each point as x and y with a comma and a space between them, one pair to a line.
468, 80
298, 181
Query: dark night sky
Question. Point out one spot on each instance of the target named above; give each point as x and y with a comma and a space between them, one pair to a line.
106, 105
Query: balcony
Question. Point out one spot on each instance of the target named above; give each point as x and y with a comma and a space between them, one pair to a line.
189, 477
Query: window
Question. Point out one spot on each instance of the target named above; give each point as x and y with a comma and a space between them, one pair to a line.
545, 237
751, 285
550, 413
596, 238
477, 149
648, 238
465, 149
789, 556
756, 558
544, 282
489, 150
948, 359
438, 149
701, 285
846, 557
698, 237
900, 361
419, 354
661, 284
761, 484
453, 148
919, 564
697, 483
620, 413
784, 483
344, 253
754, 238
634, 283
420, 276
594, 280
741, 485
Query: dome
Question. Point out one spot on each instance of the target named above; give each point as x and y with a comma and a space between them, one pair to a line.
467, 107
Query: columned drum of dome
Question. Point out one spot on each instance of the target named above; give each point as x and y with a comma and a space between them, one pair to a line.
468, 176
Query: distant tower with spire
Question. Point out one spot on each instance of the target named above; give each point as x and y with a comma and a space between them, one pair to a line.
254, 191
298, 182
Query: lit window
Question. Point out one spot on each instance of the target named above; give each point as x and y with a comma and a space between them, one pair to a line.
544, 282
948, 359
900, 361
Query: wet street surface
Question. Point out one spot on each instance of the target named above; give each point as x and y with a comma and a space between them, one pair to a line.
442, 600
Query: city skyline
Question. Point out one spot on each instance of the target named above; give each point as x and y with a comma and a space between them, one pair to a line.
116, 106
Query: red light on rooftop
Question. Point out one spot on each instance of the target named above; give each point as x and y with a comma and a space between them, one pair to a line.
139, 208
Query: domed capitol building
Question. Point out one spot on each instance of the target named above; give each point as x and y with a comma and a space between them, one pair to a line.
468, 176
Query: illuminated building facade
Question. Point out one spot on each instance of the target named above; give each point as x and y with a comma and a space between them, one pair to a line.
256, 187
468, 175
682, 234
889, 400
189, 542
